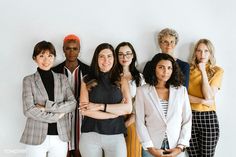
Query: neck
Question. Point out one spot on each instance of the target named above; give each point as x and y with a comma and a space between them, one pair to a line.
126, 73
170, 53
126, 70
72, 65
161, 85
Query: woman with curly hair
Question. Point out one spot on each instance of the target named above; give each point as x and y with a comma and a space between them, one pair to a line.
163, 113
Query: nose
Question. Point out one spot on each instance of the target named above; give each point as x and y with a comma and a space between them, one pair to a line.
202, 53
164, 70
46, 59
105, 59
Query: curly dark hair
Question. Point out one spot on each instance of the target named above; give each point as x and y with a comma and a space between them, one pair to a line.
176, 78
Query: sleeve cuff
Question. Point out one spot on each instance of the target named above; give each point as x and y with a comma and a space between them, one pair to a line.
147, 145
48, 105
183, 142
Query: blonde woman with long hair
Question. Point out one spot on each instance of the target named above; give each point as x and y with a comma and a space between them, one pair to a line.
205, 81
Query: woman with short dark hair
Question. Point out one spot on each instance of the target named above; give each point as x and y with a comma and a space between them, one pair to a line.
47, 102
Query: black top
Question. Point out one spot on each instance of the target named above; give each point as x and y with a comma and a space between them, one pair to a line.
104, 92
48, 82
185, 68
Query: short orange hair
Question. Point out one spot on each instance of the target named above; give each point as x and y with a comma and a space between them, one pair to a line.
71, 37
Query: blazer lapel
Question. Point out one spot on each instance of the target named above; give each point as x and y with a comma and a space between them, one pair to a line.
56, 85
156, 102
39, 84
172, 98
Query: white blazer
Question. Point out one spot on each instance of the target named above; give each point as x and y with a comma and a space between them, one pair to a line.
151, 123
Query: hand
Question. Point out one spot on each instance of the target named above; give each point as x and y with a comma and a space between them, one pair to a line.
40, 106
61, 115
171, 152
84, 106
84, 112
155, 152
124, 100
202, 66
130, 120
208, 102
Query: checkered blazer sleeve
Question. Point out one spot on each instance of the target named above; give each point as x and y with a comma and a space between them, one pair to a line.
29, 108
67, 102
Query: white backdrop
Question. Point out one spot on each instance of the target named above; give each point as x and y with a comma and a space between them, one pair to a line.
26, 22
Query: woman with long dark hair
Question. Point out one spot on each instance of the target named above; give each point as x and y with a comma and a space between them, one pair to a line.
104, 100
127, 60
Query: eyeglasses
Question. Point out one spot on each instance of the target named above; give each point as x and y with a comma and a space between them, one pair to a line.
127, 55
71, 48
167, 43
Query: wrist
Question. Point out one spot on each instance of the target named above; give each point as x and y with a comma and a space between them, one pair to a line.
181, 148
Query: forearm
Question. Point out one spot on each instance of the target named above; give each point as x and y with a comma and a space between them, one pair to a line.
207, 91
197, 100
119, 109
39, 115
98, 114
130, 120
61, 107
67, 101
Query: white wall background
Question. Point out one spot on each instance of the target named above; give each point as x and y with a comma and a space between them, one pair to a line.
24, 23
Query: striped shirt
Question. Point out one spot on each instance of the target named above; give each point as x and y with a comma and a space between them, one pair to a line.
164, 104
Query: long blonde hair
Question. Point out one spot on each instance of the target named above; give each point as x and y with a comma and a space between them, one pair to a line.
212, 60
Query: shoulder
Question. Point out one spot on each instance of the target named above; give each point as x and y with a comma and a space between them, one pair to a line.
218, 69
179, 88
182, 63
29, 77
84, 67
83, 64
59, 68
145, 88
142, 81
59, 75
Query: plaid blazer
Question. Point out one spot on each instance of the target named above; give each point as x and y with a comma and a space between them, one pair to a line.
34, 92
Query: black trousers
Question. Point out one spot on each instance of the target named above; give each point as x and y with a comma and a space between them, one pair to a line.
205, 134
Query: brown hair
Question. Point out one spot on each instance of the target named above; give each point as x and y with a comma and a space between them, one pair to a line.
42, 46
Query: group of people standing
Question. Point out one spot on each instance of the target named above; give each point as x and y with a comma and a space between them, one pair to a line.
110, 109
